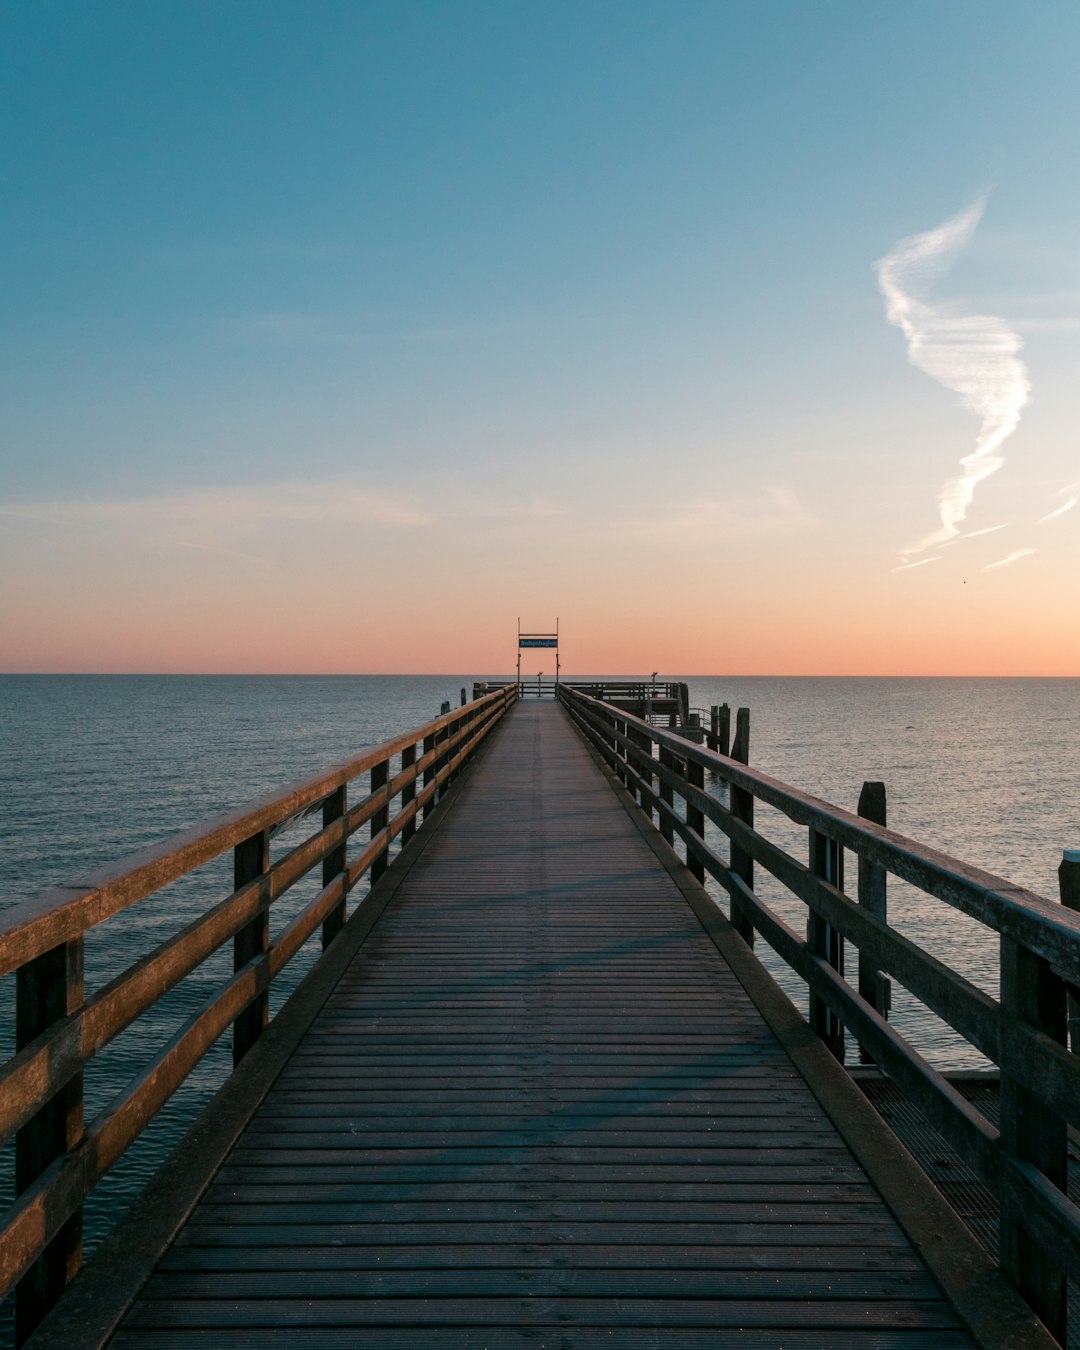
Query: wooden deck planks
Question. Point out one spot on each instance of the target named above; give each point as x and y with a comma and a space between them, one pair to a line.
540, 1110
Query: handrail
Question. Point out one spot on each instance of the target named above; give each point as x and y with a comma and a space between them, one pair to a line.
1023, 1032
59, 1029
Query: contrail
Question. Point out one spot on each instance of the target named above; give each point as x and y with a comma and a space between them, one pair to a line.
975, 355
1010, 558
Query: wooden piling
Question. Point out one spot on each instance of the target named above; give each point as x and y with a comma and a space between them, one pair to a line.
1069, 890
251, 860
827, 862
873, 897
1030, 1130
47, 990
742, 808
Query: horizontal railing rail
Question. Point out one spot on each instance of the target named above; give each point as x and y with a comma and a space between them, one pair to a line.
59, 1028
1024, 1031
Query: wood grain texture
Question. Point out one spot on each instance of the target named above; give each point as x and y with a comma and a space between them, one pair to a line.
540, 1109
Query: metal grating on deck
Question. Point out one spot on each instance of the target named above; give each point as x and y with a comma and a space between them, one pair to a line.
540, 1110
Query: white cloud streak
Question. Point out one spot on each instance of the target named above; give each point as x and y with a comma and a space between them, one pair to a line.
906, 567
340, 501
975, 355
1060, 511
977, 534
774, 513
1015, 556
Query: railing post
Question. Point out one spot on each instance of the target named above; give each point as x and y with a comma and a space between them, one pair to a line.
644, 744
827, 862
333, 865
695, 817
380, 775
620, 752
667, 761
1030, 1131
46, 989
1069, 890
408, 793
251, 860
874, 987
429, 772
742, 808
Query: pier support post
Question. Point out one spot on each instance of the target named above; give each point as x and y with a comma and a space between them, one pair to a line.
47, 989
1069, 890
874, 987
380, 774
429, 773
667, 795
251, 860
695, 818
827, 862
720, 728
333, 865
1030, 991
408, 793
642, 742
742, 808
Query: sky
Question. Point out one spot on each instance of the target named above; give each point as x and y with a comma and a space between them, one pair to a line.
741, 338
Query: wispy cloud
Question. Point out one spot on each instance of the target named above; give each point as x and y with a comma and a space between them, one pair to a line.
228, 552
1053, 515
1060, 510
977, 534
906, 567
336, 501
1015, 556
975, 355
774, 513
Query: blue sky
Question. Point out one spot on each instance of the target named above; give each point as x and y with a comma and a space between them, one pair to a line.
492, 273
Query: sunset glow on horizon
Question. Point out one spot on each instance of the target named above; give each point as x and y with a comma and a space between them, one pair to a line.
743, 340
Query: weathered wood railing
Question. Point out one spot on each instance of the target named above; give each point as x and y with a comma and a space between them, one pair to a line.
59, 1028
1023, 1032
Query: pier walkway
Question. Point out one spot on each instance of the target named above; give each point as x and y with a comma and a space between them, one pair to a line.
540, 1109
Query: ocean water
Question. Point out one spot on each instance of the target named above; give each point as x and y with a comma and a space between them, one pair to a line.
93, 768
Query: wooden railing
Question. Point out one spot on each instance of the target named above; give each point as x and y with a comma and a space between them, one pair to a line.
1023, 1031
59, 1027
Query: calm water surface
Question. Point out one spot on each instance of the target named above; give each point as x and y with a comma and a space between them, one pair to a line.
94, 767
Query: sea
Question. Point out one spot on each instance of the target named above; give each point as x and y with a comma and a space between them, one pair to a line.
93, 768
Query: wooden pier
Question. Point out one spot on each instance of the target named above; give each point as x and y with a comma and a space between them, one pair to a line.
538, 1091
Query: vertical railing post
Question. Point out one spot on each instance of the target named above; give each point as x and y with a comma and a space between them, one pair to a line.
429, 772
408, 793
1030, 1131
251, 860
667, 761
827, 862
643, 742
47, 989
695, 817
874, 987
1069, 890
380, 775
620, 752
742, 808
333, 865
608, 733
